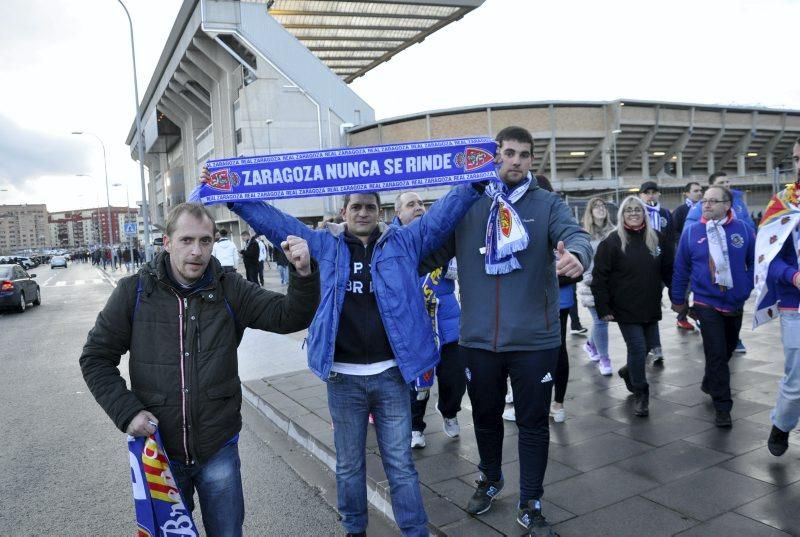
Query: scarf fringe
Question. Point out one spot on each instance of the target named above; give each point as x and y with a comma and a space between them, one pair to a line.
503, 266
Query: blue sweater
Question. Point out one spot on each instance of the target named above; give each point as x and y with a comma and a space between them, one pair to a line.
781, 271
693, 263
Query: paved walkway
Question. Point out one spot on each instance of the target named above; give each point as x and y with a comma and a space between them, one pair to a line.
610, 473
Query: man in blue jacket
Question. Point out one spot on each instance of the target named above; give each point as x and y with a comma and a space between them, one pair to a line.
438, 288
371, 337
739, 208
716, 254
510, 317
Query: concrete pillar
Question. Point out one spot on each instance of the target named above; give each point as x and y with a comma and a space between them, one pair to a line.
553, 170
741, 167
710, 167
770, 163
645, 166
607, 172
679, 165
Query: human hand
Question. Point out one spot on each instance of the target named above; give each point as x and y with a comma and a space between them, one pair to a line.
567, 264
143, 424
679, 308
608, 317
204, 175
296, 250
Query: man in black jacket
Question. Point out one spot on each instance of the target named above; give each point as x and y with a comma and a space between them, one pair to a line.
182, 304
692, 193
250, 253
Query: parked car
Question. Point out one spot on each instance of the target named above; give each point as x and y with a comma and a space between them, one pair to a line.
58, 261
18, 288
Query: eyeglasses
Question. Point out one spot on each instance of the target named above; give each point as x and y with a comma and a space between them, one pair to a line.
712, 201
633, 210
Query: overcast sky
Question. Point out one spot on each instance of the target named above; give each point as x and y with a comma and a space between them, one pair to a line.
66, 67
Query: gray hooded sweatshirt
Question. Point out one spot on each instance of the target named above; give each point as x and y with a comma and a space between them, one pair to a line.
517, 311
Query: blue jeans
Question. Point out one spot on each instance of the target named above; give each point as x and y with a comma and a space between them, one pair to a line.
219, 486
283, 270
351, 399
599, 334
639, 338
787, 407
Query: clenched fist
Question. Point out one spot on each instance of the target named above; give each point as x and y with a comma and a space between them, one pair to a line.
296, 250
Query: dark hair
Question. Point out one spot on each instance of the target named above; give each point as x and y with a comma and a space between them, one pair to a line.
518, 134
223, 232
544, 182
245, 232
377, 198
689, 186
197, 210
713, 177
725, 192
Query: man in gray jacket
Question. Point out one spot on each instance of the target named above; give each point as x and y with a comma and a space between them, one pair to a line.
509, 316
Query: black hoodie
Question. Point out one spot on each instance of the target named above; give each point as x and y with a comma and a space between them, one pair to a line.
361, 338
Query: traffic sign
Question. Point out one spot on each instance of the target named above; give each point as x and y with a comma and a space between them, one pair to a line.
131, 228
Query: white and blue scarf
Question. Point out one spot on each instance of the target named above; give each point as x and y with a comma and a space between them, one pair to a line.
505, 232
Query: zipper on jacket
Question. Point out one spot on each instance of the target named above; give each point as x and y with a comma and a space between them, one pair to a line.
182, 305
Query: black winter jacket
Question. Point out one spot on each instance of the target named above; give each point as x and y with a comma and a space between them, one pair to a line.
629, 285
183, 362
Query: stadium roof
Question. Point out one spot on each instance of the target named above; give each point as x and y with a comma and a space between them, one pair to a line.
351, 37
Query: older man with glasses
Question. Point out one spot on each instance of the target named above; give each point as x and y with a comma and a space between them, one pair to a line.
716, 255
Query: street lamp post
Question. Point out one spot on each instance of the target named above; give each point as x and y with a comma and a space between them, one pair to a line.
614, 134
108, 197
139, 142
269, 137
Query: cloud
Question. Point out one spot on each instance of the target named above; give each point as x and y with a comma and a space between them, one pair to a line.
26, 155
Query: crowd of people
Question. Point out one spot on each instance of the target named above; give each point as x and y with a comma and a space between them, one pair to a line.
379, 302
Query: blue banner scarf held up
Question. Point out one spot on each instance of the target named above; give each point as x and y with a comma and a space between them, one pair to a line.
348, 170
160, 509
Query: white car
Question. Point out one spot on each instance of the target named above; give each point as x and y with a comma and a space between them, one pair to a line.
58, 261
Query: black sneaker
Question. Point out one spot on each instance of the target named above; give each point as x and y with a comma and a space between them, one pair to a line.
641, 404
485, 493
778, 442
623, 373
359, 534
723, 419
530, 517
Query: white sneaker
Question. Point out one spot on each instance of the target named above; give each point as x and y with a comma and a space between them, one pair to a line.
449, 425
510, 414
558, 414
604, 365
417, 440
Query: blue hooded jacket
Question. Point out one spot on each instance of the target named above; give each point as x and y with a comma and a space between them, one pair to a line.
397, 255
693, 263
737, 204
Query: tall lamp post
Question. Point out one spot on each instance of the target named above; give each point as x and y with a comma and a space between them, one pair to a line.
614, 134
127, 218
139, 142
108, 197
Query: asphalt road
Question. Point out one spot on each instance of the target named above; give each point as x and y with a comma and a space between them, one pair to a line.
64, 466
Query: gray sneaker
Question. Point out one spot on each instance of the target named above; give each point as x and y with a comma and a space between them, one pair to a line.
449, 425
484, 495
530, 517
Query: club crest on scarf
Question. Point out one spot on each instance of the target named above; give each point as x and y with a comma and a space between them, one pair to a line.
223, 180
473, 158
160, 509
505, 220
